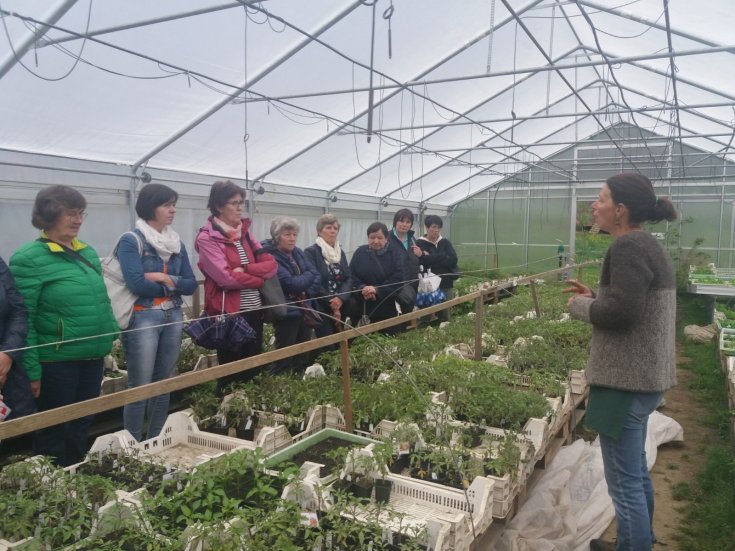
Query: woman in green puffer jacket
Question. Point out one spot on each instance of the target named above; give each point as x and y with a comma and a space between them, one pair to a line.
60, 279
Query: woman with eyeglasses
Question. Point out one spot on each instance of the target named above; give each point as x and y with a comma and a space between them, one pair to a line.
70, 322
233, 272
156, 269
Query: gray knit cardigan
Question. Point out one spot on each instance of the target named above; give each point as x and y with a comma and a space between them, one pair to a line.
633, 317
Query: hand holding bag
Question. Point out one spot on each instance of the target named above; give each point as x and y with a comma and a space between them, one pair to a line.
312, 318
271, 294
228, 331
429, 292
121, 297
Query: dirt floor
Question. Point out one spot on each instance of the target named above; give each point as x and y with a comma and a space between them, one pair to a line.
676, 462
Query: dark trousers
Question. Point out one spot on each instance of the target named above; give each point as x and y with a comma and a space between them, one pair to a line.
64, 383
248, 349
290, 331
17, 393
328, 325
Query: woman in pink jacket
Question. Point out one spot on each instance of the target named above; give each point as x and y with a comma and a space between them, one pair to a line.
233, 270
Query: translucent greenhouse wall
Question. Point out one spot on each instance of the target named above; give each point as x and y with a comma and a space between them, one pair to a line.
518, 224
106, 187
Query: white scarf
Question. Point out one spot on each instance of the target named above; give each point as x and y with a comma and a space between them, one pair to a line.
166, 242
332, 255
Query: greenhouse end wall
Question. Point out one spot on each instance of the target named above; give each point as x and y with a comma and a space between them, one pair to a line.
529, 231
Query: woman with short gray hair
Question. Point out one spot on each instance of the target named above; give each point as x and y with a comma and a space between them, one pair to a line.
300, 281
336, 284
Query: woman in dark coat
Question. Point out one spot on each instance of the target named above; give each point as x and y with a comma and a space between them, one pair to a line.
402, 237
439, 256
336, 284
300, 282
15, 386
378, 271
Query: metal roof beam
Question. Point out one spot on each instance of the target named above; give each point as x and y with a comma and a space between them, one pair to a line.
506, 176
687, 109
423, 138
246, 84
425, 72
146, 22
670, 106
647, 22
540, 48
505, 156
601, 142
18, 51
518, 71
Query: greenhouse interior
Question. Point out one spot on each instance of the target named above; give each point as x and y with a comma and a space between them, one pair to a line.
367, 274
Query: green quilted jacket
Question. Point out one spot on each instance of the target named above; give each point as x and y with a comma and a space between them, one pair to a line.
66, 300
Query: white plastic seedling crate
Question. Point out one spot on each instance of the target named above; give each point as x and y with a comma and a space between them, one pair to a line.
114, 384
731, 381
317, 418
727, 346
426, 501
181, 443
24, 544
578, 381
443, 513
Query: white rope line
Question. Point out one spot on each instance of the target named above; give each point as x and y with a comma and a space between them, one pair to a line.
294, 303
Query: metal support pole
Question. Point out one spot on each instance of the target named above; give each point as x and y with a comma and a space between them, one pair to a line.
344, 354
487, 228
719, 227
131, 199
534, 297
732, 230
573, 216
479, 311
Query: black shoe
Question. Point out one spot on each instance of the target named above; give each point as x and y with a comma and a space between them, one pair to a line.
601, 545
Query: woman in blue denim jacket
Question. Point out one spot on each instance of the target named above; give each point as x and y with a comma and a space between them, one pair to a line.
156, 269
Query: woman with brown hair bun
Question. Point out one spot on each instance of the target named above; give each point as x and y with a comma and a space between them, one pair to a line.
632, 355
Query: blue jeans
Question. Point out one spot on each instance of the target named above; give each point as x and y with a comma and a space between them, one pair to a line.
64, 383
150, 355
626, 474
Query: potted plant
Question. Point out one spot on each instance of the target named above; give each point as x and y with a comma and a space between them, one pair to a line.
382, 455
359, 468
504, 458
238, 411
204, 405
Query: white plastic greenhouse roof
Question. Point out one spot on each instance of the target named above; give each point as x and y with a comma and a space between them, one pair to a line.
463, 93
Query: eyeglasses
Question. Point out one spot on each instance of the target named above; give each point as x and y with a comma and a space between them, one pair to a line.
236, 203
76, 214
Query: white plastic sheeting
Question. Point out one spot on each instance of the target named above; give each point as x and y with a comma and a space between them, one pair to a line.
179, 84
569, 504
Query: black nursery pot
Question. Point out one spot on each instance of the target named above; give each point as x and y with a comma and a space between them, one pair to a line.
361, 488
399, 464
383, 489
213, 425
247, 433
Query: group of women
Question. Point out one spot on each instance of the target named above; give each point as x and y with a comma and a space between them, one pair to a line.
57, 306
57, 322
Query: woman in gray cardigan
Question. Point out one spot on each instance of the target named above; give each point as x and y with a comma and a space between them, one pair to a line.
632, 355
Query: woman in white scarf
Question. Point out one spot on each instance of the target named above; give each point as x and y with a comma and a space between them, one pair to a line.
156, 268
331, 261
